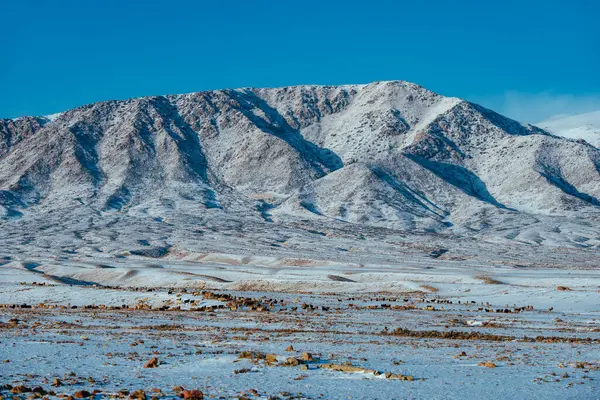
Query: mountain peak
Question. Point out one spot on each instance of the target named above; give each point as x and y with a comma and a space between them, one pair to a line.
388, 153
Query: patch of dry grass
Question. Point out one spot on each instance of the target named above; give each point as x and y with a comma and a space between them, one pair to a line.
488, 280
429, 288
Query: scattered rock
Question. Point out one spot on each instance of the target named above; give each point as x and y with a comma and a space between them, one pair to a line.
82, 394
153, 363
345, 368
242, 371
270, 358
192, 394
252, 355
487, 364
20, 389
39, 390
291, 362
399, 377
138, 395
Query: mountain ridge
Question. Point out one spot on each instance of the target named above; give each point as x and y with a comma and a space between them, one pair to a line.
578, 127
390, 154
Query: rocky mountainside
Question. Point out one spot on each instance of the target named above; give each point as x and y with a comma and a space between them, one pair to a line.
386, 154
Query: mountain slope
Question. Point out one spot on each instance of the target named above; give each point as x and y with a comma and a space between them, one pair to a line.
389, 154
582, 126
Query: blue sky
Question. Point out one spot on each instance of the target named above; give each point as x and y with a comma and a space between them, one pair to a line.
528, 59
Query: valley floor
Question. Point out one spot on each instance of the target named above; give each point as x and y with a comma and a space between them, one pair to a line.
440, 331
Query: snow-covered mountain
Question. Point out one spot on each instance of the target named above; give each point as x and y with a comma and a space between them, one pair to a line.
582, 126
387, 154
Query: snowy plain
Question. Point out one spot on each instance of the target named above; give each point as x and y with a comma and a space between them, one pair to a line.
369, 287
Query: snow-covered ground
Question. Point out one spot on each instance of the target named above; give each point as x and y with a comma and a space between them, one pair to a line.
537, 328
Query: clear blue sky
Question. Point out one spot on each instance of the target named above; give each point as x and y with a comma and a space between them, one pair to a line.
524, 57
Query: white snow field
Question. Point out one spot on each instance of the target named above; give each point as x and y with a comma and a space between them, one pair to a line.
582, 126
404, 244
382, 304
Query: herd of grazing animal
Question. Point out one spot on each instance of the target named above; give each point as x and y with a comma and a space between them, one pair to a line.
265, 304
